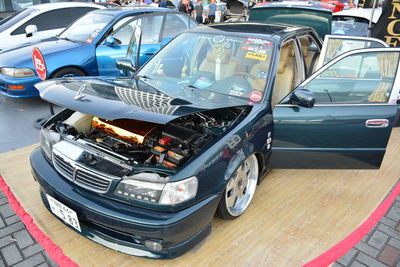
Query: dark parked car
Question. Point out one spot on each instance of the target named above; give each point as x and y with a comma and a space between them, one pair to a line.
311, 14
142, 164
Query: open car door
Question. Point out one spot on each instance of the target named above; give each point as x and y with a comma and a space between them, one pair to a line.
336, 45
341, 116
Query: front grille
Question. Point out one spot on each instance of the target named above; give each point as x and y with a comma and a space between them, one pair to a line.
91, 180
63, 166
81, 174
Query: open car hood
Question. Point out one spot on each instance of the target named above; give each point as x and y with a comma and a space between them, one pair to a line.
112, 98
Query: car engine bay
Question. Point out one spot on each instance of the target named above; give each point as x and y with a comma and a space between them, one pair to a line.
145, 144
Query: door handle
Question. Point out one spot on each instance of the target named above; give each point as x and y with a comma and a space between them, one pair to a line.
149, 54
377, 123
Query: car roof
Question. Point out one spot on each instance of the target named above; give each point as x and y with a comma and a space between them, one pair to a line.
279, 31
132, 9
50, 6
360, 13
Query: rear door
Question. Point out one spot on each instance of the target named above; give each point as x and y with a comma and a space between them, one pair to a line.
351, 121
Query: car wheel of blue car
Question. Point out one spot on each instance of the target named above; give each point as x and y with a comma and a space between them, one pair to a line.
239, 190
68, 72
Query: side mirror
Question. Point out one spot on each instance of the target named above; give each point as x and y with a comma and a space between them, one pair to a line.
302, 97
30, 30
125, 64
111, 41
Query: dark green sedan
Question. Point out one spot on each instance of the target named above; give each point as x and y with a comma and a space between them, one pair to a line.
142, 164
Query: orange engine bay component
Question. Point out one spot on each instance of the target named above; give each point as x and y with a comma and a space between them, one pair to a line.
132, 131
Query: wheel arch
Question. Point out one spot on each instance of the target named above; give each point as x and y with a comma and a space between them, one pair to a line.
68, 66
263, 169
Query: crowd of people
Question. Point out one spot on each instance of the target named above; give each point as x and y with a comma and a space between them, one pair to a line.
185, 6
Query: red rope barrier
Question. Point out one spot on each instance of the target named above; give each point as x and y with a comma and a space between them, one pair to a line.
52, 249
351, 240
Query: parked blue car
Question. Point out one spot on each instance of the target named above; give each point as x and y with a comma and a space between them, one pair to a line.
90, 46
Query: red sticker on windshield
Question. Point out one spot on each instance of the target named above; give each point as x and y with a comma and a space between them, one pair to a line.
39, 64
255, 96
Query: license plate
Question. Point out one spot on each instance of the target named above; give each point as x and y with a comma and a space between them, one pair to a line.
66, 214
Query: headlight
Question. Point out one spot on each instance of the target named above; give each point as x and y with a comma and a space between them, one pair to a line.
156, 189
48, 138
177, 192
17, 72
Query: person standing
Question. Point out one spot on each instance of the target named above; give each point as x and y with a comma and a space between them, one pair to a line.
184, 7
211, 11
252, 3
199, 11
163, 3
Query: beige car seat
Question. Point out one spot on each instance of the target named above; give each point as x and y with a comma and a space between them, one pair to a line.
284, 76
223, 65
309, 55
259, 71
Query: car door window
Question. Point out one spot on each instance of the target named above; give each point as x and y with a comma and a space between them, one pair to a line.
290, 72
150, 25
177, 23
335, 46
356, 79
51, 19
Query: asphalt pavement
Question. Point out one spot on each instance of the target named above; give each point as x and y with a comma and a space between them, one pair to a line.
17, 116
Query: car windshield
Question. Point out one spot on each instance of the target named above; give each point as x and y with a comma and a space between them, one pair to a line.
86, 28
212, 63
11, 20
346, 25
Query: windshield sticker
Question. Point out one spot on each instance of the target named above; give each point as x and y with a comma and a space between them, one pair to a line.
236, 90
255, 96
256, 49
93, 35
262, 74
219, 39
256, 56
258, 41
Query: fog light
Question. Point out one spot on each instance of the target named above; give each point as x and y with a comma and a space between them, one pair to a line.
153, 245
16, 87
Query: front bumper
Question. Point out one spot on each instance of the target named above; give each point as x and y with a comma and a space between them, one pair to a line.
125, 227
28, 82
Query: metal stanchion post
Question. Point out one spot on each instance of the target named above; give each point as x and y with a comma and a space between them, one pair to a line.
38, 124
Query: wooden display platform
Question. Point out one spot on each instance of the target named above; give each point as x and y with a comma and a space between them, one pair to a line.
295, 216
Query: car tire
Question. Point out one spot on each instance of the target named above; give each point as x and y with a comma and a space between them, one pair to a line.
68, 72
239, 190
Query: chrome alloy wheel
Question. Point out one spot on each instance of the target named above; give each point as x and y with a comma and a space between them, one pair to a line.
241, 187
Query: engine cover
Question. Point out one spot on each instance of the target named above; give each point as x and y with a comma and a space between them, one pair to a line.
132, 131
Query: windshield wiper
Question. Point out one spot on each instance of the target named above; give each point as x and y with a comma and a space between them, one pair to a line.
190, 86
66, 39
